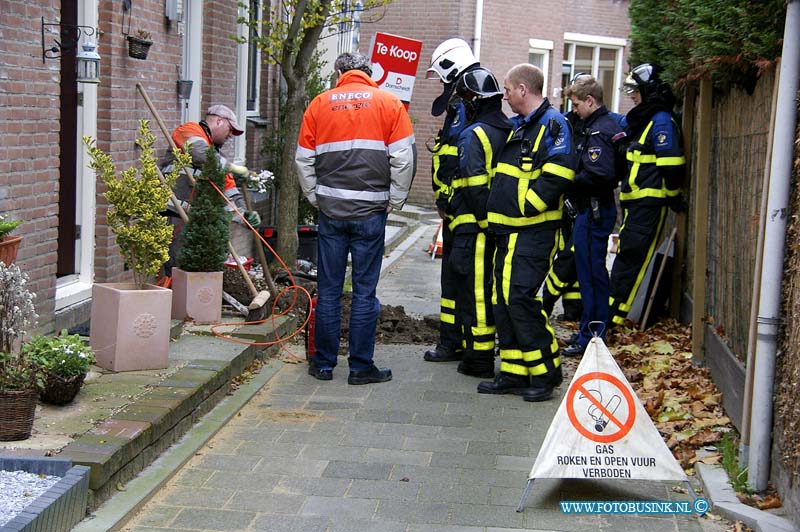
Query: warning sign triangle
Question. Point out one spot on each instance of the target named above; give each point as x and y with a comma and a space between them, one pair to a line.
602, 431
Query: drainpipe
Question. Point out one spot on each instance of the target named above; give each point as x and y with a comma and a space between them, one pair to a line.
476, 41
769, 314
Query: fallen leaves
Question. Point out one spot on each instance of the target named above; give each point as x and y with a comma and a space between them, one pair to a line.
681, 398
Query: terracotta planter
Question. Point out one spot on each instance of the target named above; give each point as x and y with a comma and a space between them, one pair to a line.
197, 296
8, 249
17, 410
130, 327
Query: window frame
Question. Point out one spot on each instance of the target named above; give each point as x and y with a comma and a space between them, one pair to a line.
596, 42
544, 48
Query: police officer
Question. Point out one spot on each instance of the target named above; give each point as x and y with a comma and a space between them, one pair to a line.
656, 167
473, 248
534, 169
449, 60
594, 134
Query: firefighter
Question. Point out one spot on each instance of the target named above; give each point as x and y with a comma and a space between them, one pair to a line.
449, 60
195, 138
594, 134
473, 248
534, 169
655, 173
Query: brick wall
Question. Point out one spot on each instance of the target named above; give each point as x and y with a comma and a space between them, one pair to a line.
29, 153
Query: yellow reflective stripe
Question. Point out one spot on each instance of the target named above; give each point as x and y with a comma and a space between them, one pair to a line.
553, 277
478, 265
502, 219
447, 318
483, 346
637, 157
670, 161
512, 243
474, 181
487, 151
571, 295
515, 171
535, 200
636, 153
447, 303
648, 193
538, 139
494, 278
462, 219
560, 171
484, 330
619, 320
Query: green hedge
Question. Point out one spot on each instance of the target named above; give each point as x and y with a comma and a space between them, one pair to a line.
733, 41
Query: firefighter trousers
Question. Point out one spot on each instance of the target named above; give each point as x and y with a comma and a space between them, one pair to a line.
471, 262
528, 345
642, 227
562, 282
449, 325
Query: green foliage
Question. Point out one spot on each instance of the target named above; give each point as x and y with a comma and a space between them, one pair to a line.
18, 374
137, 197
65, 355
729, 448
6, 226
206, 235
732, 41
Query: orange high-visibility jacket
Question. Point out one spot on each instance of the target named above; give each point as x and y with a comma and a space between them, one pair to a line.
356, 152
195, 138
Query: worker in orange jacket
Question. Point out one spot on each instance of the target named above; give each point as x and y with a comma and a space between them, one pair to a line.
194, 138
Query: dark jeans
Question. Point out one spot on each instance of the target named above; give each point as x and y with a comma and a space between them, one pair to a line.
363, 241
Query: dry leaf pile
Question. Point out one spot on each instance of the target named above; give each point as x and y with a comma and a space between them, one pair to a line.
680, 397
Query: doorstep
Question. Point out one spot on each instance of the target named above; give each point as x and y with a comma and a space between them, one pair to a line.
121, 422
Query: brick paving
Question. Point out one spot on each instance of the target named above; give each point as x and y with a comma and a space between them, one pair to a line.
423, 452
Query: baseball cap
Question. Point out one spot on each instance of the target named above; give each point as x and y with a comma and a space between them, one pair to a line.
225, 112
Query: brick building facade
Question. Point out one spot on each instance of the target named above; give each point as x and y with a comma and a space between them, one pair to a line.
43, 113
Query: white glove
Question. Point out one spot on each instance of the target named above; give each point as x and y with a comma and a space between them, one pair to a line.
239, 170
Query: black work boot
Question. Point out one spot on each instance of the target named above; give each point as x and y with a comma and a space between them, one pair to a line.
541, 389
369, 376
478, 364
506, 383
443, 354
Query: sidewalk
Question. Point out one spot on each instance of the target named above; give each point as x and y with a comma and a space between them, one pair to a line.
423, 452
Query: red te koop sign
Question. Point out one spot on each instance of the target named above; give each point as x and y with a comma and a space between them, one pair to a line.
394, 64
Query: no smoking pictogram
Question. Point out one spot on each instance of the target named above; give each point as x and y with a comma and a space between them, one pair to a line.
605, 414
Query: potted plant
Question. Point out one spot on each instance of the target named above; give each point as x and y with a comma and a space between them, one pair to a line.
139, 44
130, 321
8, 244
19, 379
63, 361
197, 282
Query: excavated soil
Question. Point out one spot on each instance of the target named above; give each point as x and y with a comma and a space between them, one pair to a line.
394, 325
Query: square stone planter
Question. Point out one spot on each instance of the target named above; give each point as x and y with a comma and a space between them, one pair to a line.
129, 327
58, 509
197, 296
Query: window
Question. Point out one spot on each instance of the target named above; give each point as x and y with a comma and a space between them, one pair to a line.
596, 55
253, 60
539, 55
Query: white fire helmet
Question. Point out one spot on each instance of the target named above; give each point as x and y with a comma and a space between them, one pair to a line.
450, 59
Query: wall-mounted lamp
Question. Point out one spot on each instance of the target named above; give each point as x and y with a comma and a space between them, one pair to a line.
87, 60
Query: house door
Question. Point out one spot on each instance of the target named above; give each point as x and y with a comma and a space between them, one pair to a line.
77, 189
68, 228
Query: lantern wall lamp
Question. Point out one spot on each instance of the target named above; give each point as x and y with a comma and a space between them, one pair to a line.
87, 59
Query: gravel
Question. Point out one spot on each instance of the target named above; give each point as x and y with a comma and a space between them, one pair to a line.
19, 489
